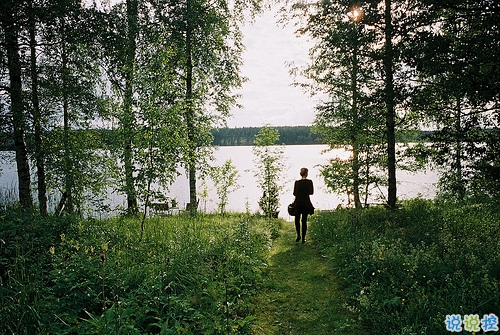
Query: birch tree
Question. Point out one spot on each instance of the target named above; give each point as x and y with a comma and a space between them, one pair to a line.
207, 40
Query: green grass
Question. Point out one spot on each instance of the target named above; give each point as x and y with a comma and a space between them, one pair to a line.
403, 271
370, 271
300, 293
186, 276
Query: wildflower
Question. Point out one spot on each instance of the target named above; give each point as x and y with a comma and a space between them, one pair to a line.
102, 257
52, 250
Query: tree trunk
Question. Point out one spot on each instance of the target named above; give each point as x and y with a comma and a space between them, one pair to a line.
356, 130
17, 105
38, 140
68, 162
459, 180
390, 112
132, 206
190, 118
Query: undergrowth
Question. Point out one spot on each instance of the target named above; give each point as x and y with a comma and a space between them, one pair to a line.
403, 271
399, 272
187, 276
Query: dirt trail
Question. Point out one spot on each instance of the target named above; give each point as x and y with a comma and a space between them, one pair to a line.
299, 295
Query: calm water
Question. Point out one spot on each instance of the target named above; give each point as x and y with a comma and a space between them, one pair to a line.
310, 156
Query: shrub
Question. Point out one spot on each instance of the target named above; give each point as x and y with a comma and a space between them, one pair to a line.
403, 271
25, 241
186, 276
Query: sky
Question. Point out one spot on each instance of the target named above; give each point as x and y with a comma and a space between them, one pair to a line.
268, 97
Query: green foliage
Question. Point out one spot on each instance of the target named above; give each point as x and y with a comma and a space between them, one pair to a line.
25, 240
456, 96
95, 277
204, 67
403, 271
408, 64
225, 179
338, 177
343, 67
267, 136
269, 166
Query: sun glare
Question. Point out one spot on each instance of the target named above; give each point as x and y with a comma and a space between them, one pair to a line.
355, 14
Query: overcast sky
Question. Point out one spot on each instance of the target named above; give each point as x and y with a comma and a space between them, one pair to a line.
269, 97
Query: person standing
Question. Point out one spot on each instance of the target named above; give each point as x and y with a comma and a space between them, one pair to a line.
302, 189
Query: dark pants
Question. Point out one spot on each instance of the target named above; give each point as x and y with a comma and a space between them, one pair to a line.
304, 224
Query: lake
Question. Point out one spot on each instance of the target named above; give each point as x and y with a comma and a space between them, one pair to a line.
410, 185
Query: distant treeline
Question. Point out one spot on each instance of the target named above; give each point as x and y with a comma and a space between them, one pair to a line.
222, 137
289, 135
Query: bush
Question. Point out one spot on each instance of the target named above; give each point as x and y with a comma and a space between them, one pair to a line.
25, 239
186, 276
403, 271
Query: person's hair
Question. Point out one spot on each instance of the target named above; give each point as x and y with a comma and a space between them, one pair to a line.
303, 172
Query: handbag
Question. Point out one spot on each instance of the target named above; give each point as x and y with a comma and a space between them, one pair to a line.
292, 210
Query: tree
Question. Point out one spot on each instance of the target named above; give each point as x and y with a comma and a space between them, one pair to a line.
70, 102
197, 47
11, 22
270, 165
133, 59
38, 149
392, 22
390, 102
225, 179
386, 27
207, 41
456, 58
180, 62
121, 41
159, 130
128, 118
341, 66
57, 96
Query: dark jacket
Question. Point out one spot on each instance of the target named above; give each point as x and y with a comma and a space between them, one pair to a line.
302, 189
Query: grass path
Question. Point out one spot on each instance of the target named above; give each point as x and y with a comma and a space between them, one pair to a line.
299, 295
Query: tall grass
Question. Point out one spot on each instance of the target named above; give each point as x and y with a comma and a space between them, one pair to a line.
94, 277
403, 271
